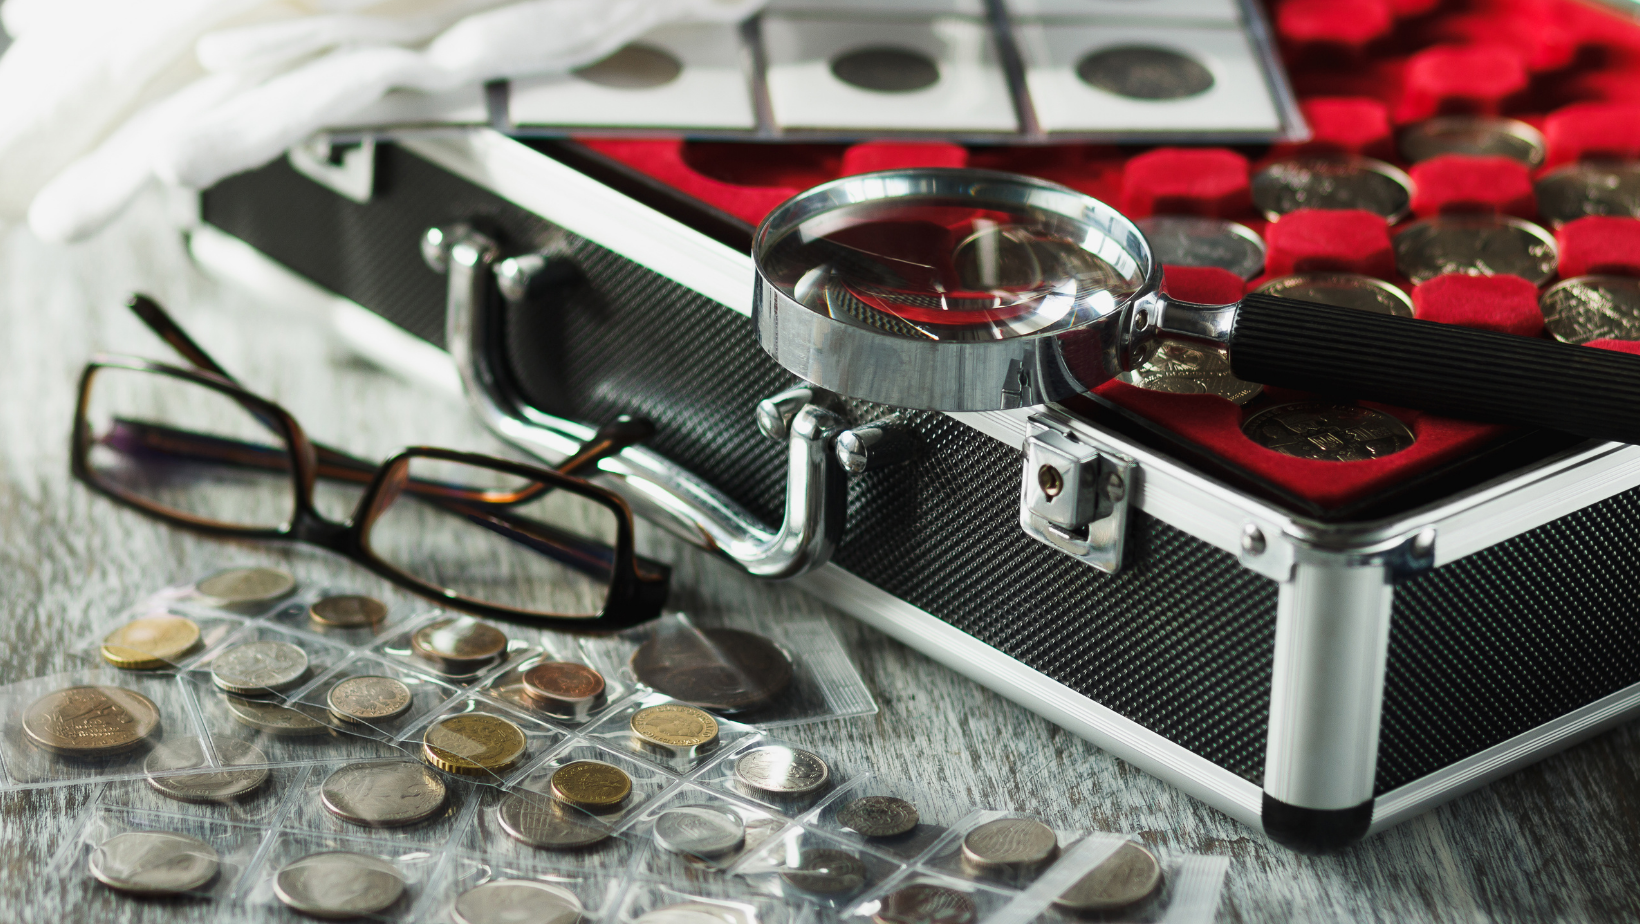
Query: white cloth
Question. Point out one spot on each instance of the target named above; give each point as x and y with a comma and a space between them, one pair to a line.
99, 96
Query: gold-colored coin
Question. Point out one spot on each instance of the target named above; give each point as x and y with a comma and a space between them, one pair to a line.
673, 726
240, 586
90, 721
591, 784
149, 642
473, 744
348, 611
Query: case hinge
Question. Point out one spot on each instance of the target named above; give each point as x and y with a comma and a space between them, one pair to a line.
1075, 496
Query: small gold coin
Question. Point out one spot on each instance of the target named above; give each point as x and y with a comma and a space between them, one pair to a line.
149, 642
473, 744
591, 784
348, 611
238, 586
90, 721
673, 726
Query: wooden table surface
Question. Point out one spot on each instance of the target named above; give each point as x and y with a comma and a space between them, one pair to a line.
1558, 841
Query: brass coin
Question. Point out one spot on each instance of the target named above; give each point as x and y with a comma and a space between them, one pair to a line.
473, 744
234, 774
725, 670
926, 903
1010, 844
274, 719
348, 611
91, 721
592, 785
1332, 183
148, 642
1586, 308
459, 646
1328, 432
1474, 136
564, 688
1478, 245
1343, 290
368, 699
1188, 369
242, 586
1124, 879
542, 822
674, 727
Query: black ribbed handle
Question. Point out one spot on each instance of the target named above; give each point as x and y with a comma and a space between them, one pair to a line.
1449, 370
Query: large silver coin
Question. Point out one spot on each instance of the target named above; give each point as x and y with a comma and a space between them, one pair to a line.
389, 794
153, 863
693, 913
778, 770
1125, 878
338, 884
543, 822
1590, 188
1328, 432
878, 816
1344, 290
1186, 240
261, 667
274, 719
1332, 183
1476, 245
1586, 308
826, 874
1016, 844
1474, 136
221, 783
705, 831
517, 901
368, 698
246, 586
1145, 72
886, 69
1187, 369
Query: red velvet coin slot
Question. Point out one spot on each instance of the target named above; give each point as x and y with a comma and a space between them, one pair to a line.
663, 160
1348, 24
1453, 79
1092, 169
1321, 240
1585, 131
895, 155
1204, 285
1599, 244
1186, 181
1620, 346
1344, 125
1534, 33
1506, 304
1458, 183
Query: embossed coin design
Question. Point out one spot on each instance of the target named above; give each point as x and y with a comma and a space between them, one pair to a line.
886, 69
1345, 290
878, 816
261, 667
473, 744
564, 688
338, 884
926, 903
673, 728
1586, 308
1589, 188
1010, 844
725, 670
348, 611
150, 642
1145, 72
246, 586
91, 721
592, 785
221, 783
1478, 245
1474, 136
781, 771
383, 794
1188, 240
634, 67
153, 863
1187, 369
274, 719
517, 901
1332, 183
368, 699
825, 873
694, 913
542, 822
705, 831
459, 646
1124, 879
1328, 432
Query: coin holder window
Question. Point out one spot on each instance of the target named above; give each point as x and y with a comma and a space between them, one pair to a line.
399, 646
594, 789
884, 827
147, 637
1219, 11
244, 590
1189, 893
243, 793
620, 730
491, 752
414, 866
855, 9
86, 898
899, 898
374, 697
464, 872
806, 866
789, 778
283, 730
720, 900
692, 829
1025, 853
280, 663
574, 705
545, 833
395, 800
345, 615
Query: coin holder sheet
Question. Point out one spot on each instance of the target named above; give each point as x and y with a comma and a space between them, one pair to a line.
651, 833
278, 667
398, 646
470, 742
85, 898
225, 793
727, 899
938, 810
464, 871
959, 899
1075, 862
349, 613
1189, 894
371, 686
948, 855
508, 684
148, 628
770, 771
370, 802
615, 731
283, 731
647, 781
590, 847
1162, 11
415, 865
806, 866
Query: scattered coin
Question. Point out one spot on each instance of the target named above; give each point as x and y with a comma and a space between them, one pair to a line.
1344, 290
338, 884
261, 667
1586, 308
1589, 188
91, 721
348, 611
542, 822
1010, 844
878, 816
517, 901
245, 586
925, 903
1188, 240
368, 698
564, 688
274, 719
222, 782
778, 770
1475, 136
592, 785
1478, 245
459, 646
153, 863
725, 670
150, 642
1185, 369
826, 873
705, 831
634, 67
886, 69
677, 729
694, 913
1328, 432
383, 794
1145, 72
1332, 183
473, 744
1125, 878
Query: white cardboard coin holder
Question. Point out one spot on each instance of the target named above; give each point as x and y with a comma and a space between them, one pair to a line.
84, 898
1159, 11
414, 863
428, 693
540, 737
307, 811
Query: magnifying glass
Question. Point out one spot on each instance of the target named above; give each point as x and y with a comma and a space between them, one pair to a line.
978, 290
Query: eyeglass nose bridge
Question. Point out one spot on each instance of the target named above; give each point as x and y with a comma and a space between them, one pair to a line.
820, 447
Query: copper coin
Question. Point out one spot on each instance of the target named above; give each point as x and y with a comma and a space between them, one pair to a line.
564, 688
473, 744
348, 611
91, 721
725, 670
459, 646
925, 903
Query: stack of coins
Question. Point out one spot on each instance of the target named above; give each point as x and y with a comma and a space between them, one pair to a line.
151, 642
460, 646
1485, 245
89, 722
246, 588
724, 670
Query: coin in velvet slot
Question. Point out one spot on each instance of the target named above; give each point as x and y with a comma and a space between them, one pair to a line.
1190, 240
1342, 290
725, 670
1328, 432
1187, 369
1589, 188
1473, 136
1586, 308
1476, 245
1332, 183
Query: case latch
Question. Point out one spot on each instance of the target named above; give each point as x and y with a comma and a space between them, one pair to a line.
1074, 496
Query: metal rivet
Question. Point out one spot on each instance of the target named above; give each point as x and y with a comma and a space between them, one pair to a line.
1115, 488
1252, 540
1423, 544
1141, 319
1051, 481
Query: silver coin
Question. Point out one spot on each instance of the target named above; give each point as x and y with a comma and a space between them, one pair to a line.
825, 873
878, 816
1332, 183
243, 586
1186, 369
634, 67
704, 831
274, 719
886, 69
1145, 72
153, 863
517, 901
1328, 432
1343, 290
1475, 136
1186, 240
368, 698
1586, 308
1010, 844
388, 794
338, 884
1476, 245
778, 770
1589, 188
546, 823
1124, 879
265, 666
219, 784
694, 913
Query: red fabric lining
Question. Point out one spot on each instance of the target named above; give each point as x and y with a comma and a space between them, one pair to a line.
1599, 244
1317, 240
1455, 183
1506, 304
1344, 125
1348, 23
1186, 181
1620, 346
1451, 79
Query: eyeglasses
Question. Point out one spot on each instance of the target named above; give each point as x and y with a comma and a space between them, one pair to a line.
497, 538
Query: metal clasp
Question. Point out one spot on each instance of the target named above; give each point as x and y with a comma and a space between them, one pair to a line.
1075, 496
348, 168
